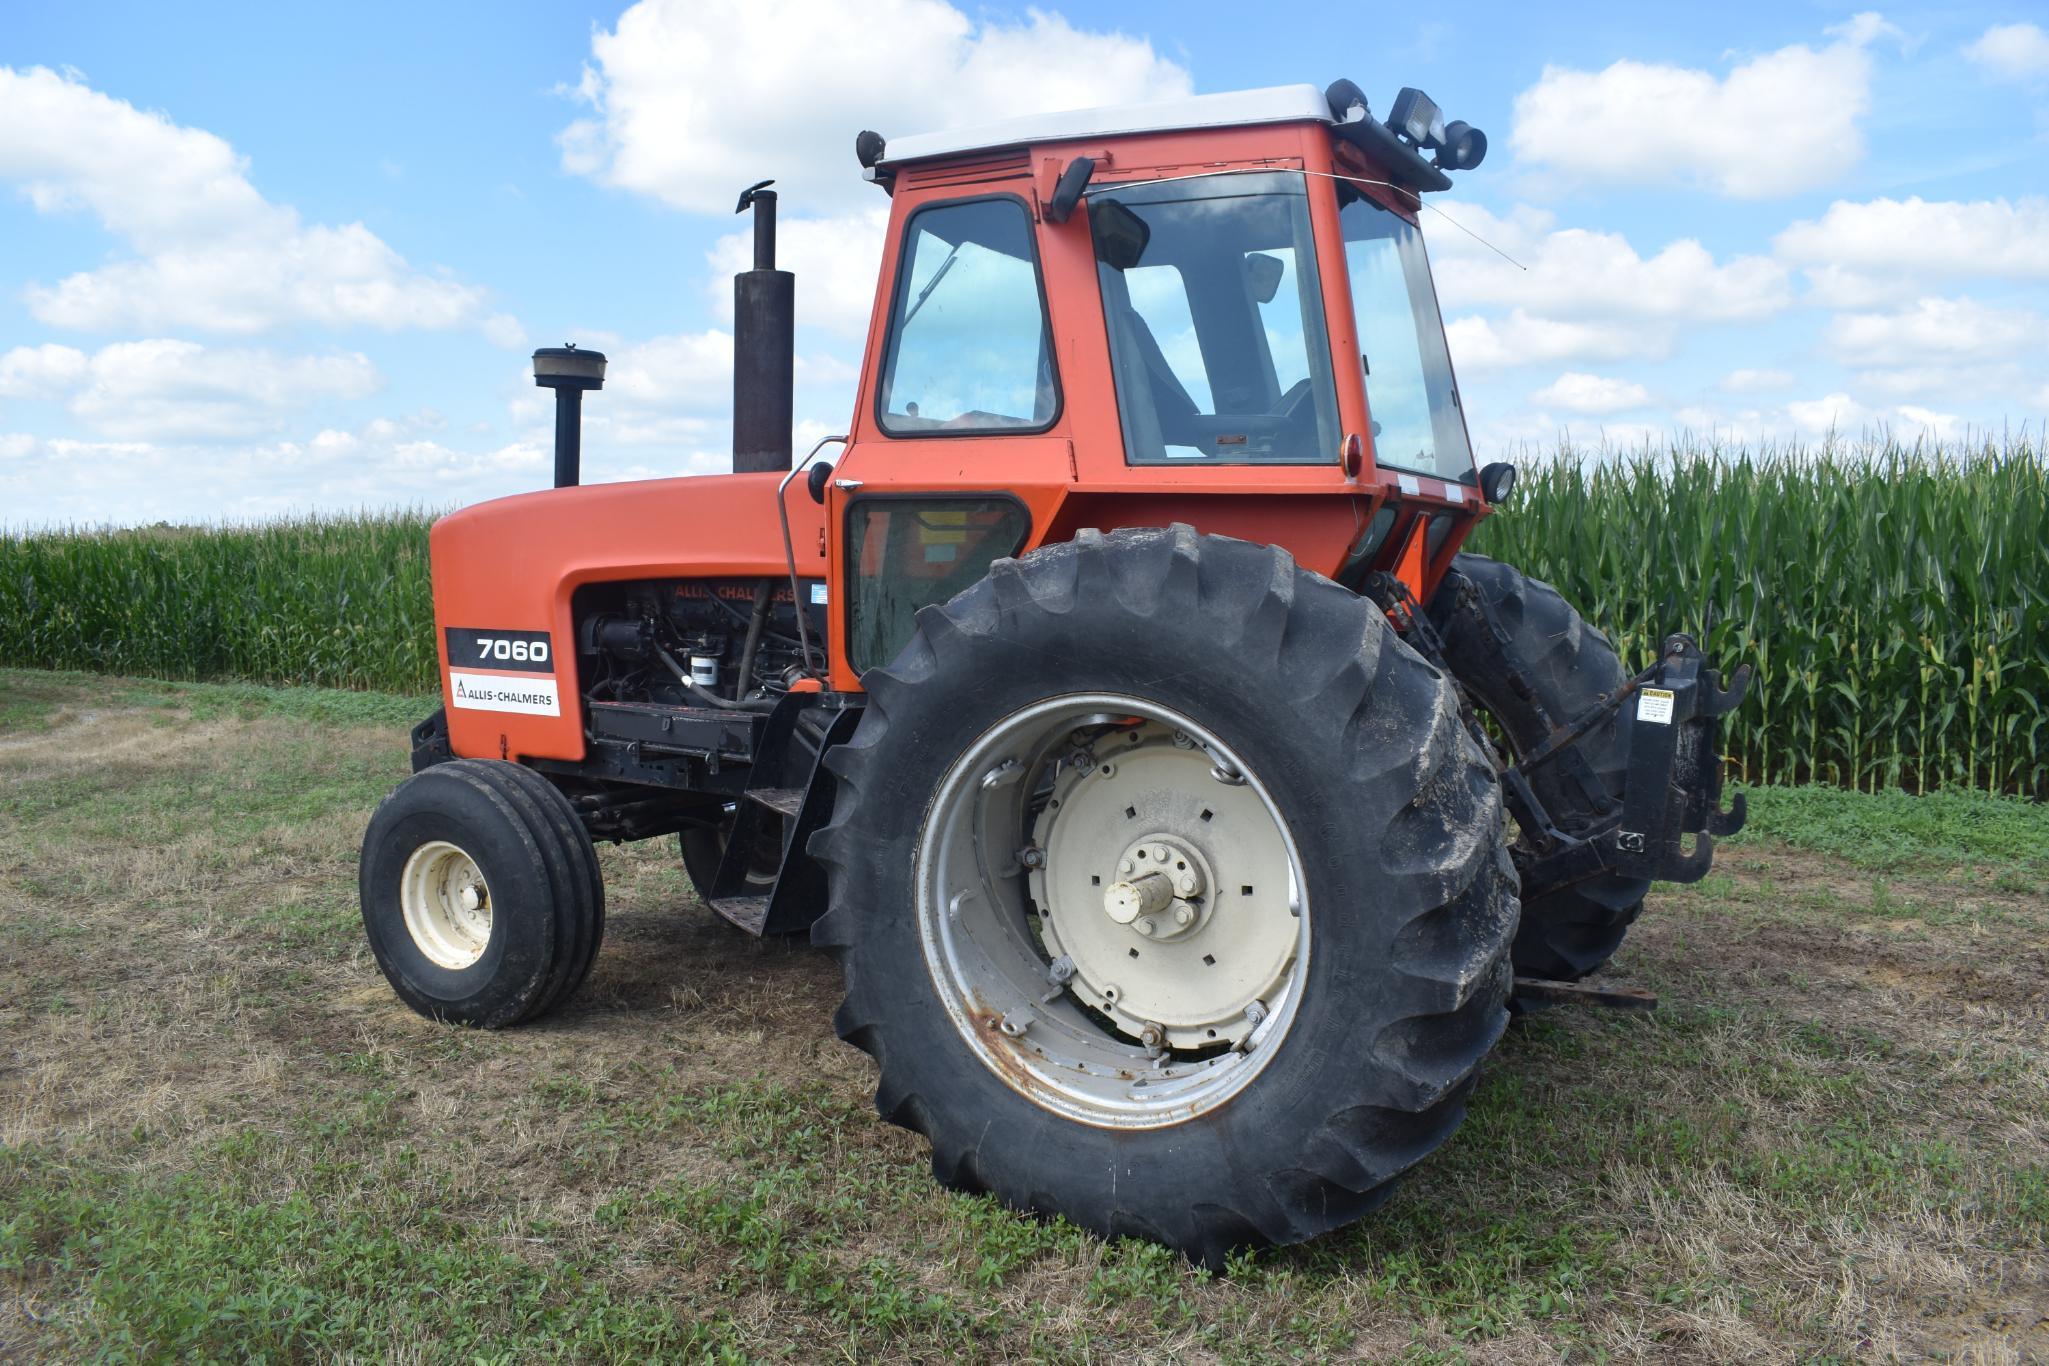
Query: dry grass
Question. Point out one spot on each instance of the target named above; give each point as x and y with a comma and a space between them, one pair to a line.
221, 1135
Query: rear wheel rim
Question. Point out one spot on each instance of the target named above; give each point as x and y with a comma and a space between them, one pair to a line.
446, 904
1079, 978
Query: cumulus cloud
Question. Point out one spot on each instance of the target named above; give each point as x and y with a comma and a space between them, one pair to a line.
1936, 330
1592, 394
1479, 345
1574, 273
2012, 52
836, 260
211, 251
46, 371
1776, 124
691, 100
1884, 250
170, 390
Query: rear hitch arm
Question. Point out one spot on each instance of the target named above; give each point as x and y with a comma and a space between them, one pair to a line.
1673, 787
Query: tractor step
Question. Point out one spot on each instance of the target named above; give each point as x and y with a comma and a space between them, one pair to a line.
749, 913
789, 801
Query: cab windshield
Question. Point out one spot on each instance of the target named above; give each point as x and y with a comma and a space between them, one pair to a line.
1414, 404
1215, 315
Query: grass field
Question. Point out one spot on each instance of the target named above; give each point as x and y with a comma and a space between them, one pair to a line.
1893, 600
222, 1137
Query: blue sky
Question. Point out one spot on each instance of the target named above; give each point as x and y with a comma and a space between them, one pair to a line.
262, 258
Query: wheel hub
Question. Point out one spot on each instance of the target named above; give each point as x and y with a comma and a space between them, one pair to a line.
1166, 881
446, 904
1162, 888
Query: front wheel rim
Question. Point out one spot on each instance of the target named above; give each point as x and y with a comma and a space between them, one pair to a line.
1083, 968
446, 904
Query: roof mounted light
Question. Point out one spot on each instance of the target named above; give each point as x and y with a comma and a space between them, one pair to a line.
1416, 119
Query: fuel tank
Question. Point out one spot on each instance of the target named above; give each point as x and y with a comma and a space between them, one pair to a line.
504, 573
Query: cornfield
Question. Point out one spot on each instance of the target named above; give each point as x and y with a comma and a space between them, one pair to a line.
336, 601
1894, 600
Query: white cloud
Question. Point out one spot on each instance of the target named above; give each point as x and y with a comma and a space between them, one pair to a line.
1592, 394
1576, 273
836, 261
213, 253
2013, 52
1776, 124
692, 100
1860, 254
1756, 381
166, 390
1942, 425
1832, 413
1936, 330
1842, 415
46, 371
1482, 344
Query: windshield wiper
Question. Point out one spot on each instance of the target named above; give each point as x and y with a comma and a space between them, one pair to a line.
933, 283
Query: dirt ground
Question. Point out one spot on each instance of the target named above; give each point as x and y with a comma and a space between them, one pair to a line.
221, 1135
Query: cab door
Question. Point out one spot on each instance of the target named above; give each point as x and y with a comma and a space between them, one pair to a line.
959, 454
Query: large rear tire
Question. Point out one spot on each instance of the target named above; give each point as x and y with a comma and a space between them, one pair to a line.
1569, 667
1339, 861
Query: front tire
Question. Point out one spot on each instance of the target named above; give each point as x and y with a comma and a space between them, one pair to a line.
1288, 700
1566, 668
480, 893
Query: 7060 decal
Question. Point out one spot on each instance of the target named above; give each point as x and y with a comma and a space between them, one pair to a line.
511, 651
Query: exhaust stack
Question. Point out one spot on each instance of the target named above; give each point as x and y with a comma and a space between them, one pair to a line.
568, 372
764, 347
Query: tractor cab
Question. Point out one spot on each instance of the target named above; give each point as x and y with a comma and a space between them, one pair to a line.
1217, 310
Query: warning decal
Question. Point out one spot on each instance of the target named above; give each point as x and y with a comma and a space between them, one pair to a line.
1655, 704
501, 692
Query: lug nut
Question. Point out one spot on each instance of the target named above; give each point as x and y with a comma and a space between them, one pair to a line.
1183, 916
1146, 927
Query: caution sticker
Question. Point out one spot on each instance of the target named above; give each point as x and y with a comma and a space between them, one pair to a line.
504, 692
1655, 705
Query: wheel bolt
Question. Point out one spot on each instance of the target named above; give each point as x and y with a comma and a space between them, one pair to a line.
1183, 915
1146, 928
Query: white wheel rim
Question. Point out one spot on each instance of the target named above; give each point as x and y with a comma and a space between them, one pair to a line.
1021, 849
447, 905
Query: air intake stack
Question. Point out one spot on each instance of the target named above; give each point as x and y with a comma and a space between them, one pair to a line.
764, 347
569, 372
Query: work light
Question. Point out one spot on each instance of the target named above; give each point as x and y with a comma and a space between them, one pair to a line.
1417, 118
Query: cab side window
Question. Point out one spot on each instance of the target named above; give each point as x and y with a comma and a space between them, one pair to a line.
969, 349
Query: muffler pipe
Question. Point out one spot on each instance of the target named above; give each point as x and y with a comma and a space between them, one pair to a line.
764, 347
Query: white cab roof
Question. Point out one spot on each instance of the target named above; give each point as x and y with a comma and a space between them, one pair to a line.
1275, 104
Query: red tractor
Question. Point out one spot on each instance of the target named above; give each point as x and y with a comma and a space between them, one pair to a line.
1186, 812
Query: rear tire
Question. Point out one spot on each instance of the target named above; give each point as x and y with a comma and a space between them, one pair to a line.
1396, 867
1570, 667
480, 893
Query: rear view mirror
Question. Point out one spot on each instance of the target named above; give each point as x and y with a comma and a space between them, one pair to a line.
1120, 234
1263, 273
